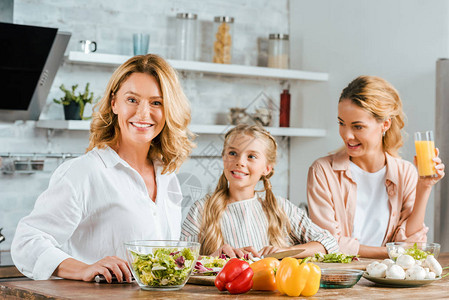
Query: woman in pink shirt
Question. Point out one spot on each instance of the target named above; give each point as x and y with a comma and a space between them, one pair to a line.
365, 194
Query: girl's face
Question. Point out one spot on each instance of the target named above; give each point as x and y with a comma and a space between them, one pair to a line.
360, 131
138, 105
244, 162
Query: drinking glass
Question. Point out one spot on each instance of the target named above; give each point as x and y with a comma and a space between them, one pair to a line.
425, 153
140, 43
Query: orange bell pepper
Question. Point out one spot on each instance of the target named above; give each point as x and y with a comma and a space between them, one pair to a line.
295, 277
264, 278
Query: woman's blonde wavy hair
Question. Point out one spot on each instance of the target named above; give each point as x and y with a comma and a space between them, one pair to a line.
174, 144
378, 97
211, 237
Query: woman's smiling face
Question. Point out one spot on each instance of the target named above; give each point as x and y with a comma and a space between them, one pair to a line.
138, 105
360, 131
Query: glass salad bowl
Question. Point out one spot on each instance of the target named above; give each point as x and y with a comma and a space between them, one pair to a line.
418, 251
333, 278
161, 265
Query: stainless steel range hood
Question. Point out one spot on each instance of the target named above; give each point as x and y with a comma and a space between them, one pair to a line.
30, 57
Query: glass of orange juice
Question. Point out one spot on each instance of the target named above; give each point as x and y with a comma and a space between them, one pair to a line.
425, 153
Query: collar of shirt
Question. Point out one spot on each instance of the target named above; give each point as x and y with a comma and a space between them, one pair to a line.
111, 158
341, 161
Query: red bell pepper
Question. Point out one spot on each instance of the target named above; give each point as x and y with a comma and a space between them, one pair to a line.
236, 277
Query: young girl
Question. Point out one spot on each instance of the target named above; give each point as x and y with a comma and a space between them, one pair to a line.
236, 220
365, 194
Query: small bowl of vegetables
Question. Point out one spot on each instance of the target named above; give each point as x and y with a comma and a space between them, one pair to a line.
334, 278
419, 251
161, 265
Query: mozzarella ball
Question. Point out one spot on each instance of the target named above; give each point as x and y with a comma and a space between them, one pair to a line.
434, 265
371, 266
430, 275
405, 261
415, 273
388, 262
378, 270
395, 272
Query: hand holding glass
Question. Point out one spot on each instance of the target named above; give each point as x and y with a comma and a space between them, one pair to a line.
425, 153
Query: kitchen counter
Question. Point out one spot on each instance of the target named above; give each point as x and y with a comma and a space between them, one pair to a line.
68, 289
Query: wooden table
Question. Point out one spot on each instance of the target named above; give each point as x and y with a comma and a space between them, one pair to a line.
67, 289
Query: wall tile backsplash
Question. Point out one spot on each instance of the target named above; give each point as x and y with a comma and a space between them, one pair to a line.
111, 23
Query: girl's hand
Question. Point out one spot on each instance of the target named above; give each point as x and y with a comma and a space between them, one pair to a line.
235, 252
107, 266
439, 167
268, 250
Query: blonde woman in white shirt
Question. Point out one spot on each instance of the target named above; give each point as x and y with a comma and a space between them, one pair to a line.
122, 189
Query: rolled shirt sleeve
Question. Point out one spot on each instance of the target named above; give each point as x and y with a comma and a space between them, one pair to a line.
323, 210
35, 249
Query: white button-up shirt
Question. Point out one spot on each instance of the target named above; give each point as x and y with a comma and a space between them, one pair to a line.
94, 203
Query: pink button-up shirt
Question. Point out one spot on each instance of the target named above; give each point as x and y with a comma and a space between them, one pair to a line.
332, 198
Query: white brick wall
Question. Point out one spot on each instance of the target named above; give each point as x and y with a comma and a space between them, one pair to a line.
111, 24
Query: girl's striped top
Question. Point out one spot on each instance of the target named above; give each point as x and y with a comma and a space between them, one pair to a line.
244, 223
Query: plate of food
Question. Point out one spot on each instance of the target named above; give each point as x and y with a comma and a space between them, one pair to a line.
399, 282
405, 271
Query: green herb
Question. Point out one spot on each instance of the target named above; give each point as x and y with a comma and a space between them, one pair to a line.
417, 253
337, 257
81, 99
163, 267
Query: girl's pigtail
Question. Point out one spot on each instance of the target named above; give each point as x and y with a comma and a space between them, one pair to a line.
211, 237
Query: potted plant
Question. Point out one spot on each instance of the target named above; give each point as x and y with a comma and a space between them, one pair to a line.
74, 104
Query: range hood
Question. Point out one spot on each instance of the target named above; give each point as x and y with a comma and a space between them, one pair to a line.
29, 59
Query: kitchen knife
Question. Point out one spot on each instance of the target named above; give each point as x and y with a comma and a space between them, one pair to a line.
100, 279
282, 254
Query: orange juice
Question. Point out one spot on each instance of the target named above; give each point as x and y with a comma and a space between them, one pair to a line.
425, 152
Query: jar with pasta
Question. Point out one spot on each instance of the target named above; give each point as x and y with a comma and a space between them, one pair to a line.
278, 51
223, 28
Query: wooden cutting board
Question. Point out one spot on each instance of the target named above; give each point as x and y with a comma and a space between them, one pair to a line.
358, 265
201, 280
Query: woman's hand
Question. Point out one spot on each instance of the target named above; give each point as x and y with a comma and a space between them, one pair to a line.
235, 252
106, 267
439, 167
270, 249
77, 270
419, 236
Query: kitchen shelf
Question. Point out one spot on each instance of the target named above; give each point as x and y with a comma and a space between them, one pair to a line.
200, 129
202, 67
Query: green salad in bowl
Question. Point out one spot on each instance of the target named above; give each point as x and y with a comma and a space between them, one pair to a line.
161, 265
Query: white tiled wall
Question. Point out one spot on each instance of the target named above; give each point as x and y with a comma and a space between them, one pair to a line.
111, 24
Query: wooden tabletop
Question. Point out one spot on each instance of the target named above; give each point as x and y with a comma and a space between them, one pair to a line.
68, 289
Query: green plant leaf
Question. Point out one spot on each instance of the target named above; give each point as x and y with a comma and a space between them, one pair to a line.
81, 98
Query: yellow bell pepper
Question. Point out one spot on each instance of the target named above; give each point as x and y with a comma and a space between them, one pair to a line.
295, 277
313, 282
264, 274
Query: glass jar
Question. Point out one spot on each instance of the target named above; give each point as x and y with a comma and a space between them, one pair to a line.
278, 51
223, 28
186, 32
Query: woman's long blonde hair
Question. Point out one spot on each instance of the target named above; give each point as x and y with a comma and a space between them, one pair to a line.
174, 144
211, 237
378, 97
